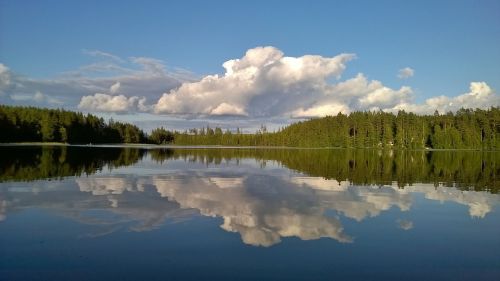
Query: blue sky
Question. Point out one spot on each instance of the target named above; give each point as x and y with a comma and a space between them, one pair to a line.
448, 44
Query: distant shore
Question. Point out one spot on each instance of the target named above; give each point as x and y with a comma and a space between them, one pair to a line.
150, 146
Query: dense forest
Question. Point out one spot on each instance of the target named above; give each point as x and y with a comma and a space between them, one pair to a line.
474, 129
31, 124
466, 170
470, 129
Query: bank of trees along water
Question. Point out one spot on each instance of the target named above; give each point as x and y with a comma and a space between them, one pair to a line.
30, 124
471, 129
475, 129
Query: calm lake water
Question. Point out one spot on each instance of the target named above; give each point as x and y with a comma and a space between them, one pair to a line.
110, 213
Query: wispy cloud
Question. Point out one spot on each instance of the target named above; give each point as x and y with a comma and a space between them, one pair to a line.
135, 79
97, 53
115, 88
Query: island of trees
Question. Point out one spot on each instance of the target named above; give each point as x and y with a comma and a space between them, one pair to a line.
467, 128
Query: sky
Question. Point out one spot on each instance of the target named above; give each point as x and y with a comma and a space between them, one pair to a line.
184, 64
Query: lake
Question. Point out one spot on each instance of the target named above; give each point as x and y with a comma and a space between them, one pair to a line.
145, 213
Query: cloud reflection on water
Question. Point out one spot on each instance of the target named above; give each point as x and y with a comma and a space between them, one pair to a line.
262, 204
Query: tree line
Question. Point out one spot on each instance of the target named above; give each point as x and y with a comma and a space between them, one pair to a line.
31, 124
467, 128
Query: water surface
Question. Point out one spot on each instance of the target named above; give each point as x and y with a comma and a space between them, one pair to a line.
112, 213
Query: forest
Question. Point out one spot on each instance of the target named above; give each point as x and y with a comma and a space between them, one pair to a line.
465, 129
31, 124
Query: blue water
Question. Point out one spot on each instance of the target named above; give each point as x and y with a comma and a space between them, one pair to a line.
241, 220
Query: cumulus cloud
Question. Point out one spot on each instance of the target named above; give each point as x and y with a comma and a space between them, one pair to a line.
258, 218
262, 83
405, 73
265, 83
357, 93
109, 103
479, 96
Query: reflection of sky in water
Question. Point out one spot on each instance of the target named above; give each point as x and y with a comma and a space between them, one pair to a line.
188, 219
260, 200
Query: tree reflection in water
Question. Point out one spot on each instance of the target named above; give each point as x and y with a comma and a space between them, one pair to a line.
262, 194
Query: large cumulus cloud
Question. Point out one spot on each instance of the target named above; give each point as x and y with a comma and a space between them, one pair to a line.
262, 83
266, 83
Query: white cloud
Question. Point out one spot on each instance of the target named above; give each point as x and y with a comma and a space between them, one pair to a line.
261, 86
150, 65
108, 103
479, 96
38, 98
105, 185
357, 93
251, 214
115, 88
228, 109
146, 76
4, 78
320, 110
97, 53
4, 75
405, 73
259, 204
262, 83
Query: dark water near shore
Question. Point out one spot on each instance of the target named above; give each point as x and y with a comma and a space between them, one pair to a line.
110, 213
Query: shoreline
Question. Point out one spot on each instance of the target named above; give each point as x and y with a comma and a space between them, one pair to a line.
173, 146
